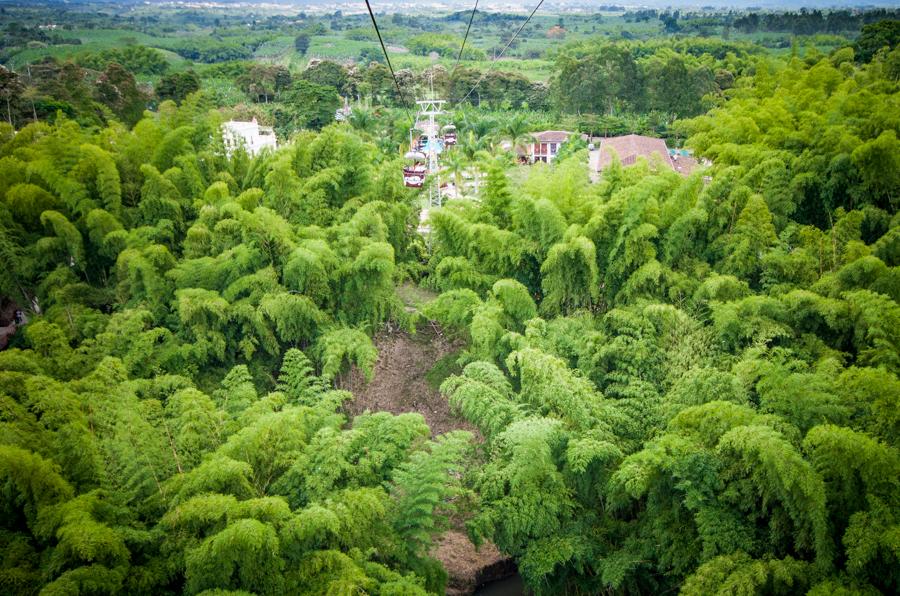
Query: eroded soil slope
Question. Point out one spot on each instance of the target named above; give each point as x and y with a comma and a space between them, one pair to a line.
399, 383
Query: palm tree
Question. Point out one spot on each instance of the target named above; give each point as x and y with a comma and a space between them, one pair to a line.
470, 144
455, 163
515, 130
484, 127
363, 119
473, 148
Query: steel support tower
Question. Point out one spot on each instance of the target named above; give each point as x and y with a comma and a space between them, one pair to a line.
426, 121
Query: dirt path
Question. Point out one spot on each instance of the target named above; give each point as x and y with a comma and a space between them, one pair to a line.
399, 383
470, 568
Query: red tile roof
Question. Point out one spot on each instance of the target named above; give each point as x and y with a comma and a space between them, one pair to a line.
684, 164
551, 136
630, 147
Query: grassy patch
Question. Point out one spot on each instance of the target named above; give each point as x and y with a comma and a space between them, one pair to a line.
225, 92
280, 46
442, 369
336, 47
95, 41
110, 38
413, 295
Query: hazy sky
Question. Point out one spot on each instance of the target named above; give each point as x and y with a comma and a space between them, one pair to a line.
550, 5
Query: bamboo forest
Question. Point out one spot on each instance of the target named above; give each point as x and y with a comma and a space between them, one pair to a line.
337, 298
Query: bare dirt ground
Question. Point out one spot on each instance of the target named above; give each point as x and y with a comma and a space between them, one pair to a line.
468, 567
399, 385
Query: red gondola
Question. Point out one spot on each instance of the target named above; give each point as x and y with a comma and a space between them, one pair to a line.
449, 135
414, 175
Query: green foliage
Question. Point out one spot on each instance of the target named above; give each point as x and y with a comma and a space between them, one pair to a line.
311, 106
295, 318
754, 132
516, 303
423, 485
242, 556
297, 379
350, 346
301, 43
30, 484
444, 44
137, 59
570, 279
454, 308
483, 395
142, 449
177, 86
739, 573
67, 236
671, 78
708, 401
753, 235
874, 37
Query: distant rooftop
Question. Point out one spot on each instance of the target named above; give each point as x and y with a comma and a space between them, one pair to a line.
551, 136
630, 147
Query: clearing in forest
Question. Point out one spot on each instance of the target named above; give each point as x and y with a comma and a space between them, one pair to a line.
406, 379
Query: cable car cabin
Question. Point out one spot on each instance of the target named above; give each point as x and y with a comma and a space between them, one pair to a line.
449, 135
414, 174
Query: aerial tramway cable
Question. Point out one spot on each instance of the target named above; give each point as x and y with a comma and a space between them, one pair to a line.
503, 51
468, 27
388, 60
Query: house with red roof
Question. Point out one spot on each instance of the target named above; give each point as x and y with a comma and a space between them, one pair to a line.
546, 145
629, 148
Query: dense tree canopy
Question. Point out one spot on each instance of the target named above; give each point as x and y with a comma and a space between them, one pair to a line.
146, 446
605, 78
705, 396
670, 383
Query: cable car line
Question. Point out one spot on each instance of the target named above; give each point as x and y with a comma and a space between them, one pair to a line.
468, 27
415, 175
388, 60
503, 51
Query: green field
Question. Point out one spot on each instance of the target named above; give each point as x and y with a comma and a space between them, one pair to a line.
530, 56
96, 40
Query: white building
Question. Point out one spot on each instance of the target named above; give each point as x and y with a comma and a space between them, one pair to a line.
249, 135
546, 145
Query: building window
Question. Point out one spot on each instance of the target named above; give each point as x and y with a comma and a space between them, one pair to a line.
552, 148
